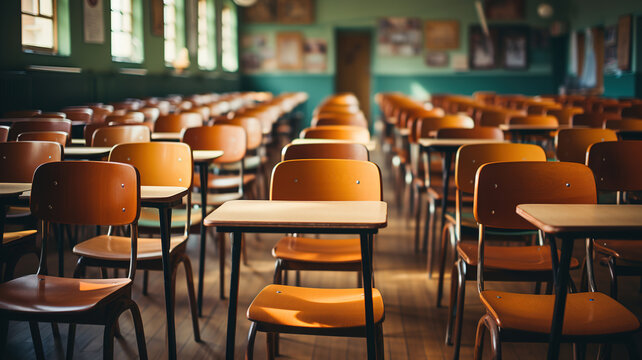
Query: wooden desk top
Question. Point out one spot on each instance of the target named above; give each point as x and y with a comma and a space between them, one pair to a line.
83, 152
173, 136
12, 189
300, 214
162, 194
616, 220
520, 127
454, 143
78, 142
206, 155
370, 145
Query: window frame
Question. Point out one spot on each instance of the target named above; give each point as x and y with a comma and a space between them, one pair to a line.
170, 63
132, 34
234, 40
210, 34
54, 19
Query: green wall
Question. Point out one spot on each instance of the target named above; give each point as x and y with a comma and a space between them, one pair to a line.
410, 74
100, 79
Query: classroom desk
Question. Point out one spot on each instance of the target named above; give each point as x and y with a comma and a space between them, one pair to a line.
569, 222
167, 136
202, 158
78, 142
263, 216
164, 198
448, 147
9, 192
370, 145
83, 152
520, 132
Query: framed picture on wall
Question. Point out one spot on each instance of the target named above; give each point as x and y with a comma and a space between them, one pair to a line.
295, 11
504, 9
624, 43
483, 49
158, 21
263, 11
515, 46
315, 52
289, 50
441, 34
610, 49
399, 36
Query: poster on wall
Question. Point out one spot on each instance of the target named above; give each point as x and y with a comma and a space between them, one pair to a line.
610, 49
94, 26
158, 19
289, 50
315, 54
504, 9
399, 36
295, 11
515, 48
256, 53
441, 34
482, 53
624, 43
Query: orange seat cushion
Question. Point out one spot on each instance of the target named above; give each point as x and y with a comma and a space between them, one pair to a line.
117, 248
49, 294
629, 250
318, 250
518, 258
313, 307
585, 314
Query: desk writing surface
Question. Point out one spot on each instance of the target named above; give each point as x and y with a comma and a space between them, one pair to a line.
561, 218
370, 145
161, 193
300, 214
78, 142
11, 189
524, 127
86, 151
429, 142
176, 136
206, 155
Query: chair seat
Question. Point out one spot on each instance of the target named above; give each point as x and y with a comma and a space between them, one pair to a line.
313, 307
216, 199
517, 258
50, 295
117, 248
10, 237
621, 249
586, 313
149, 217
318, 250
223, 181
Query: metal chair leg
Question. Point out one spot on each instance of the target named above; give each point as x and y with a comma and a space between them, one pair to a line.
37, 340
251, 337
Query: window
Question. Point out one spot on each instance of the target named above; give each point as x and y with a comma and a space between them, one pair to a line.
170, 30
229, 45
123, 40
206, 42
39, 25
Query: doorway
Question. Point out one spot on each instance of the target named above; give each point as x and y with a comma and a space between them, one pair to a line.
353, 65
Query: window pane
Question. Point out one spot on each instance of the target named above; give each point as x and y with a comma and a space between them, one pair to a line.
37, 32
170, 15
127, 6
126, 22
170, 31
116, 22
115, 4
46, 7
170, 50
121, 45
30, 6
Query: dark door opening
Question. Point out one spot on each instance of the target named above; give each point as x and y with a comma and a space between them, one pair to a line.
353, 65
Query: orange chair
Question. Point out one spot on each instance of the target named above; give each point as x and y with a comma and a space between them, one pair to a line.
125, 118
22, 113
20, 127
325, 151
159, 164
19, 161
59, 137
337, 132
565, 115
589, 317
112, 135
624, 124
331, 312
84, 114
542, 120
65, 193
594, 120
572, 144
616, 168
340, 119
4, 133
177, 122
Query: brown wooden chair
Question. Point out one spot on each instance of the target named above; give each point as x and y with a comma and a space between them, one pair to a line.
125, 118
589, 119
326, 120
337, 132
51, 115
616, 167
22, 113
572, 144
565, 115
177, 122
113, 135
19, 161
159, 164
4, 133
84, 114
624, 124
534, 120
298, 310
65, 192
589, 317
325, 151
20, 127
59, 137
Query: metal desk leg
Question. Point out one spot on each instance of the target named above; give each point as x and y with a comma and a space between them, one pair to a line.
165, 222
201, 265
560, 297
237, 239
447, 160
366, 270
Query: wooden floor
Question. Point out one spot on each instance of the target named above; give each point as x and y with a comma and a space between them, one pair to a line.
413, 328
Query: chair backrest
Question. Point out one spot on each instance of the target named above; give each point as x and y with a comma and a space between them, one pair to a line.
128, 117
480, 132
4, 133
18, 160
151, 113
501, 186
87, 193
159, 163
177, 122
590, 119
100, 113
337, 132
542, 120
19, 127
351, 151
79, 114
326, 180
572, 144
252, 126
624, 124
22, 113
470, 157
424, 127
88, 132
231, 139
112, 135
329, 120
565, 115
51, 115
496, 117
59, 137
616, 165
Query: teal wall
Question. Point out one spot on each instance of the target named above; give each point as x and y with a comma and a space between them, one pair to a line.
592, 13
410, 74
101, 78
